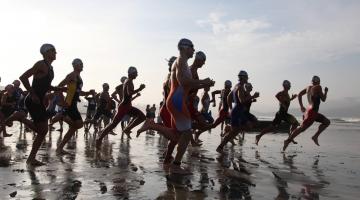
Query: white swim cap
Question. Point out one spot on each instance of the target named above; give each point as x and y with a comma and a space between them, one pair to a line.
315, 79
185, 43
123, 79
286, 83
228, 83
200, 55
77, 61
243, 73
132, 70
46, 47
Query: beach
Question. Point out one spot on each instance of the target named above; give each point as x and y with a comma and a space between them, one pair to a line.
132, 169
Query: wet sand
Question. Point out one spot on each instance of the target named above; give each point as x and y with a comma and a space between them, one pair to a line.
132, 169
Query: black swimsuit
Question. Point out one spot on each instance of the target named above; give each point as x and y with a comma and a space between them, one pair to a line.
72, 111
40, 86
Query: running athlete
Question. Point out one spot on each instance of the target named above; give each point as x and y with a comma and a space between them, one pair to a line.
223, 106
251, 119
282, 115
239, 118
315, 95
205, 102
182, 82
125, 108
91, 109
72, 116
43, 74
102, 105
193, 100
8, 107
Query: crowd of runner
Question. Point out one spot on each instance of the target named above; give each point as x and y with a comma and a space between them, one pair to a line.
180, 119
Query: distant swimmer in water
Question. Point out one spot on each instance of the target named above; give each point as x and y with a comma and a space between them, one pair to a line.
282, 115
315, 95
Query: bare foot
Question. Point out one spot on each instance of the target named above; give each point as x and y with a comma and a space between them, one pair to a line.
257, 139
34, 163
286, 144
146, 126
315, 139
293, 141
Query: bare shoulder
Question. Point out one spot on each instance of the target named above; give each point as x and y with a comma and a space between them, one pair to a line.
39, 65
71, 76
316, 89
181, 63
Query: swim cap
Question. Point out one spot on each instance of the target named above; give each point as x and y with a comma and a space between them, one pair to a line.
200, 55
315, 79
286, 83
105, 85
185, 43
77, 61
243, 73
46, 47
228, 83
132, 70
171, 60
16, 82
123, 79
248, 85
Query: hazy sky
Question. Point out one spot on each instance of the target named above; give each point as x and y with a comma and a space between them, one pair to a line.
271, 40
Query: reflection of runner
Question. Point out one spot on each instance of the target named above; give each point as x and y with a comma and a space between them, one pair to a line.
315, 95
282, 115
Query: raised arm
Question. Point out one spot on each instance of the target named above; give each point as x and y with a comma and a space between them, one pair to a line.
213, 96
